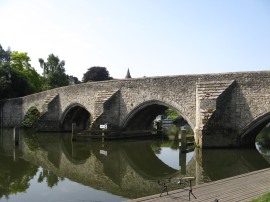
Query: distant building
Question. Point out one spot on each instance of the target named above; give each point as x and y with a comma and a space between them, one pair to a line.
128, 74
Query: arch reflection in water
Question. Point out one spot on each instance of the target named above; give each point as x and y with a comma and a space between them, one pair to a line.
123, 169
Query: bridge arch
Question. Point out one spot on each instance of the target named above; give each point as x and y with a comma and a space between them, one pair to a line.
251, 130
75, 113
141, 117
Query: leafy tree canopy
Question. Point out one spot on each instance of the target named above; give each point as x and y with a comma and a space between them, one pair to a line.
54, 72
96, 74
13, 83
17, 77
53, 64
21, 62
73, 80
4, 55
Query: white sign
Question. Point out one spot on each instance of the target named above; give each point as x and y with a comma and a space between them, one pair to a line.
105, 153
103, 126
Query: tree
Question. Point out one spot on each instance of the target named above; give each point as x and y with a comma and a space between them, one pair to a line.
51, 179
4, 55
53, 64
96, 74
13, 83
18, 84
54, 72
21, 62
5, 82
73, 80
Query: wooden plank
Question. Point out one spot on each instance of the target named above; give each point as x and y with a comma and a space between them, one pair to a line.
243, 187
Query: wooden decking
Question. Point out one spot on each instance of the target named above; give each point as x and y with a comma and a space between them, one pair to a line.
239, 188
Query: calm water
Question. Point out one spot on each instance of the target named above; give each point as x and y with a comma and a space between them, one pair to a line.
49, 167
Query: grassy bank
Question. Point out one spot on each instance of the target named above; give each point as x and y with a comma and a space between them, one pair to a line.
262, 198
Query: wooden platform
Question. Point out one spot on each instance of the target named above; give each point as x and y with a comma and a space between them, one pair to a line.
115, 135
239, 188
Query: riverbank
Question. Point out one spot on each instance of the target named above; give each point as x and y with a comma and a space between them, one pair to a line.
239, 188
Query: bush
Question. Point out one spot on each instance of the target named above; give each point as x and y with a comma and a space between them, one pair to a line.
31, 118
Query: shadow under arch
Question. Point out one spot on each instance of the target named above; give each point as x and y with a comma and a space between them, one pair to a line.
142, 116
75, 113
143, 160
250, 132
77, 153
224, 163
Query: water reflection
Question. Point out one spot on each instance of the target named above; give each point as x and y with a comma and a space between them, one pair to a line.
112, 170
263, 142
12, 179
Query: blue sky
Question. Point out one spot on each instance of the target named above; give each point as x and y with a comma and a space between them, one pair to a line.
150, 37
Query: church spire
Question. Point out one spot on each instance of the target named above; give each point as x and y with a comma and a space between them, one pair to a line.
128, 74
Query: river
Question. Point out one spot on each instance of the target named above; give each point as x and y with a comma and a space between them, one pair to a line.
50, 167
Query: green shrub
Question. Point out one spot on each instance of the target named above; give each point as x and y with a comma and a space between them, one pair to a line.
31, 118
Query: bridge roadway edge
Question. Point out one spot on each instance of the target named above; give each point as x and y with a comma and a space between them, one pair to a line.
243, 187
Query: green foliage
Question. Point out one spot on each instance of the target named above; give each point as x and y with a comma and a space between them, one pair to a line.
96, 74
73, 80
31, 117
4, 55
15, 176
5, 82
170, 113
262, 198
53, 64
51, 179
54, 72
17, 77
31, 140
13, 83
57, 79
21, 62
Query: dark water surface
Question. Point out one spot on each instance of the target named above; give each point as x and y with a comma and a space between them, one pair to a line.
49, 167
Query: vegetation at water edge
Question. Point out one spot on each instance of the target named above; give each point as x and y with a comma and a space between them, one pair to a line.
31, 117
262, 198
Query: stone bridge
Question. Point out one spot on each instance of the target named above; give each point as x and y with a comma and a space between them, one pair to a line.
224, 110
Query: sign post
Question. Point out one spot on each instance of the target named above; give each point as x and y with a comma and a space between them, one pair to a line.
103, 127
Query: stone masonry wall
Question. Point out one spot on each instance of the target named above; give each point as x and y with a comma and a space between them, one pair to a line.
236, 110
12, 112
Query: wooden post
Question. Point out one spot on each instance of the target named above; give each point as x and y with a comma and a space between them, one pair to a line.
183, 140
73, 128
15, 137
183, 159
103, 136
